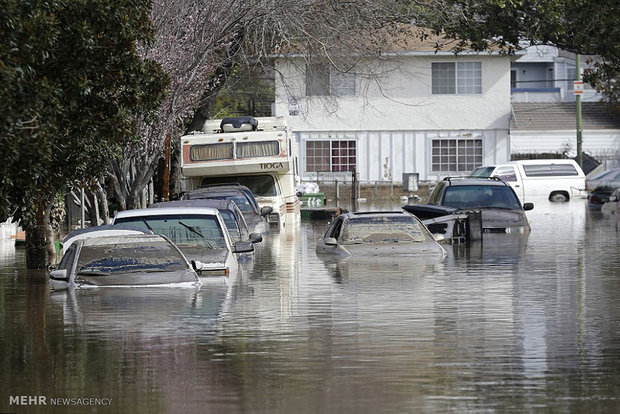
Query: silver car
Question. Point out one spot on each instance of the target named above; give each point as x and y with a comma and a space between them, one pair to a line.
378, 234
122, 260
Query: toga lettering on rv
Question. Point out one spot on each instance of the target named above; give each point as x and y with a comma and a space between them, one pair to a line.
270, 165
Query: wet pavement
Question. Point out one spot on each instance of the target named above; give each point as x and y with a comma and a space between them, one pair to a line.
516, 323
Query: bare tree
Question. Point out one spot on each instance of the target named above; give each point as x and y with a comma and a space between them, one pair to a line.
200, 42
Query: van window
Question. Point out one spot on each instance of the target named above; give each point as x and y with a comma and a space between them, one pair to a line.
506, 173
549, 170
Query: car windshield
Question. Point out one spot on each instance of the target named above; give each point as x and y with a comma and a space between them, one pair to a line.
483, 172
231, 223
130, 257
241, 201
183, 229
480, 196
382, 229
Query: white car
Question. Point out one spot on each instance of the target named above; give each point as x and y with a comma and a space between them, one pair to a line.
122, 260
200, 233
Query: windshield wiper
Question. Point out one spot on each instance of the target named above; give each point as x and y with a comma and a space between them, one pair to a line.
147, 225
194, 230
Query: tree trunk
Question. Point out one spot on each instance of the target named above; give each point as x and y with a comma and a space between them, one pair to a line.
39, 235
102, 198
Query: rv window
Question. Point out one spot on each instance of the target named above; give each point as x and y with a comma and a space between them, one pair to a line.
549, 170
210, 152
260, 185
258, 149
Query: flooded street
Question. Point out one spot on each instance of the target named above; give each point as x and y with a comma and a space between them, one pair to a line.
517, 323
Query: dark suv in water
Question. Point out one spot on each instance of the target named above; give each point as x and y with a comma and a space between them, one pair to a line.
500, 207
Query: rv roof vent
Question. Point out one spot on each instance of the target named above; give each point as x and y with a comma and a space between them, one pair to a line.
239, 123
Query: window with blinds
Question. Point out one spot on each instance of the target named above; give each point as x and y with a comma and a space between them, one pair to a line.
258, 149
210, 152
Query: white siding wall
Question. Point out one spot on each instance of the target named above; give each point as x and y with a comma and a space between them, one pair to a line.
601, 143
385, 155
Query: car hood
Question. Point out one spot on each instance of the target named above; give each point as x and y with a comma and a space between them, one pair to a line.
502, 218
138, 278
401, 249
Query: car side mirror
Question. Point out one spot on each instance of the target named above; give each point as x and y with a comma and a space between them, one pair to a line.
197, 265
265, 211
330, 241
256, 237
528, 206
439, 238
243, 247
299, 194
60, 274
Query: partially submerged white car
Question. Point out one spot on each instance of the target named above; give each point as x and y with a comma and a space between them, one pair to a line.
121, 261
200, 233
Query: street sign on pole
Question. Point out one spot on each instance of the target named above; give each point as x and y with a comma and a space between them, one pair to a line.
578, 87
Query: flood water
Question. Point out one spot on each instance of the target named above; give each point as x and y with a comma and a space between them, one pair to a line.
516, 324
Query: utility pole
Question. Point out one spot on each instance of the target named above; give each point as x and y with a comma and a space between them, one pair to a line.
578, 90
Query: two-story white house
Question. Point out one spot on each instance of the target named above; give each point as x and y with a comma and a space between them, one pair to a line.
426, 112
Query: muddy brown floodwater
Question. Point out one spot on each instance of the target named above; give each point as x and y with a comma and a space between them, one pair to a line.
514, 324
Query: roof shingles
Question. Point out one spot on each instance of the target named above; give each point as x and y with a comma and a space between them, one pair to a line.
562, 116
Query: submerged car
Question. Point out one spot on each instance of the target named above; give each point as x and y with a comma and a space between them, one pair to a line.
122, 260
599, 196
378, 234
200, 233
233, 217
243, 197
607, 178
500, 208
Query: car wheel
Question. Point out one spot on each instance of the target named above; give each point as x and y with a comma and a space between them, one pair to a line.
558, 198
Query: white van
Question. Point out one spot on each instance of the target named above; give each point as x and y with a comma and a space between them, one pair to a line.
556, 179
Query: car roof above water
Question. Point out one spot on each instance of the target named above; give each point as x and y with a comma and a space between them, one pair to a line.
491, 181
167, 211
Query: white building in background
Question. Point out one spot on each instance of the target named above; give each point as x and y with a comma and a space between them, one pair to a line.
544, 118
546, 74
430, 113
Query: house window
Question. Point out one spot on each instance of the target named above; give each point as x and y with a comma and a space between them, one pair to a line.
323, 80
458, 78
332, 156
513, 79
456, 155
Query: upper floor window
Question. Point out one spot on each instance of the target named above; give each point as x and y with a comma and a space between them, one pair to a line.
456, 78
323, 80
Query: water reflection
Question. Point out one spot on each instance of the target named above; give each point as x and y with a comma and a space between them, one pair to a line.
515, 323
